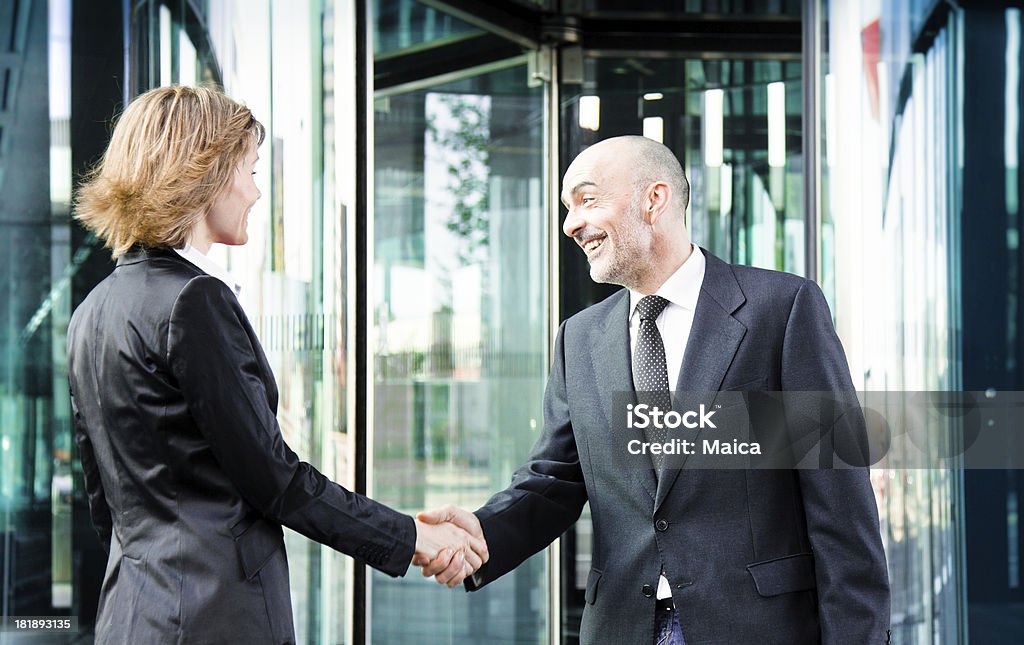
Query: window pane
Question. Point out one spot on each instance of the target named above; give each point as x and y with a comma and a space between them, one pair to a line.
735, 126
38, 260
887, 252
293, 269
460, 334
403, 25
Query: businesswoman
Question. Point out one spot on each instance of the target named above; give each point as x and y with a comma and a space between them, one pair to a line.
188, 477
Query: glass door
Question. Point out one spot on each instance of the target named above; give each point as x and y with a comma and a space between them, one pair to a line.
459, 309
464, 228
729, 107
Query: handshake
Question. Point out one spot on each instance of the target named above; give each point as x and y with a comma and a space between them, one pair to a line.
450, 545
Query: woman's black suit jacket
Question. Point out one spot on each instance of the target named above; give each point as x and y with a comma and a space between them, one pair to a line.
188, 477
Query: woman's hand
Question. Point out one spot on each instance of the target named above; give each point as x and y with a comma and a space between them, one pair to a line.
444, 545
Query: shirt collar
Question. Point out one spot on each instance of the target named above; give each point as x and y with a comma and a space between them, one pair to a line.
208, 266
682, 287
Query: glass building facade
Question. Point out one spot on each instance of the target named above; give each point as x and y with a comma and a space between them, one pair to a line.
406, 271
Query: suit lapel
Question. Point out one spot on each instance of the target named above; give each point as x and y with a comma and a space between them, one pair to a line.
613, 367
714, 338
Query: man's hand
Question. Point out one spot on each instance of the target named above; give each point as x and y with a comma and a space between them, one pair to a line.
448, 547
447, 570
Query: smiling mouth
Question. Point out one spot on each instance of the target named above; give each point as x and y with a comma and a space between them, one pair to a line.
592, 245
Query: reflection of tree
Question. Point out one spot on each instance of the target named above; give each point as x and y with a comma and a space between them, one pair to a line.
467, 168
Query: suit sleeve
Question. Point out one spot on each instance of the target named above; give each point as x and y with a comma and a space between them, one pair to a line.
99, 510
547, 493
216, 366
839, 504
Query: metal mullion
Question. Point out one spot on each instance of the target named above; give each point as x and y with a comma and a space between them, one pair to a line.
811, 137
362, 227
552, 140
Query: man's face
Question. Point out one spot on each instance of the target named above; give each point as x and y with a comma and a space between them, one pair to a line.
605, 218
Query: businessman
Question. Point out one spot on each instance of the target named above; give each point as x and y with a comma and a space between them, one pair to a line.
690, 555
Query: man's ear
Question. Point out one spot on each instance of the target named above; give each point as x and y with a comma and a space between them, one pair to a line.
656, 202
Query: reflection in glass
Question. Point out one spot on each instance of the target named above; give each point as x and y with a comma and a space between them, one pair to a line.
295, 261
735, 126
404, 25
37, 571
746, 8
460, 333
889, 213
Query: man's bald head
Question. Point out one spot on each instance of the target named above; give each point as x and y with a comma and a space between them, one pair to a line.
645, 161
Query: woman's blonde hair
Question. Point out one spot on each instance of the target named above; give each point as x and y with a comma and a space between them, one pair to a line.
172, 152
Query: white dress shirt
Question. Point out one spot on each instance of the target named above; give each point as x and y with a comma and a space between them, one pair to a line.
681, 290
674, 322
208, 266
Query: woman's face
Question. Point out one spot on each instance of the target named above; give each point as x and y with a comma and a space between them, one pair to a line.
228, 218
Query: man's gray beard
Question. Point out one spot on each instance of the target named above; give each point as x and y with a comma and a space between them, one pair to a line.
632, 253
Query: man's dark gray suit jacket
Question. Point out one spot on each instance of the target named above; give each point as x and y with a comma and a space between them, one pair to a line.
766, 557
188, 476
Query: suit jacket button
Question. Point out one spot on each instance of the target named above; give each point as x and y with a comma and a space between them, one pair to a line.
661, 525
647, 591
